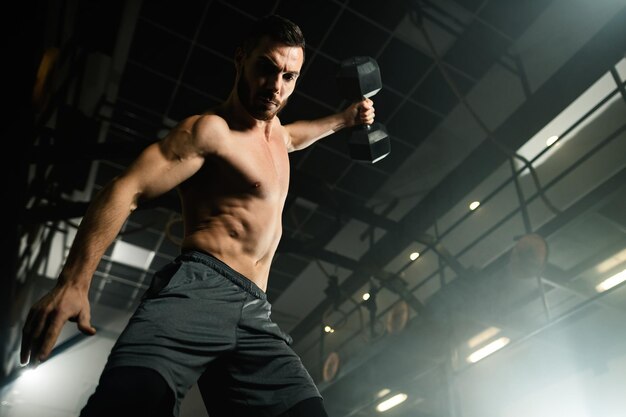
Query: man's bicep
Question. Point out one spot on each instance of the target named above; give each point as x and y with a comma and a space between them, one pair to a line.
304, 133
159, 169
166, 164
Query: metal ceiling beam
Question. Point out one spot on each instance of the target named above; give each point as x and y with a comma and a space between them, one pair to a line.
316, 190
586, 66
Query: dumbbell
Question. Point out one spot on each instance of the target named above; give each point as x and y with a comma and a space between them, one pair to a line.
359, 77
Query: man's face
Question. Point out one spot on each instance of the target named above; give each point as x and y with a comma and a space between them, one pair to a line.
267, 76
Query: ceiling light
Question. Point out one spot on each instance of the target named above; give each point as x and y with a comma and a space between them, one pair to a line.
482, 337
414, 256
551, 140
474, 205
571, 115
383, 392
488, 350
612, 281
611, 263
132, 255
366, 296
391, 402
329, 329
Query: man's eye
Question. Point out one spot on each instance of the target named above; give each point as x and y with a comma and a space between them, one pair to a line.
289, 77
267, 68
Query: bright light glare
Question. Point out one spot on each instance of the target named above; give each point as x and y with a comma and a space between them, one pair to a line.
488, 350
612, 281
391, 402
474, 205
29, 375
366, 296
329, 329
551, 140
414, 256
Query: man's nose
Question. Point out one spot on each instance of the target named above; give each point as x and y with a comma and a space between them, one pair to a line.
274, 83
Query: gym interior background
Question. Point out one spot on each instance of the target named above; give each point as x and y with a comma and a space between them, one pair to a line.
491, 242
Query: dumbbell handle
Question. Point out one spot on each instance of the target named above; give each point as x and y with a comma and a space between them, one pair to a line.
359, 78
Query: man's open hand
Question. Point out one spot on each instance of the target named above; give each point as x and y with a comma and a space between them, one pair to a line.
48, 316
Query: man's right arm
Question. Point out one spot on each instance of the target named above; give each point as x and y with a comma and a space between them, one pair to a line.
158, 169
304, 133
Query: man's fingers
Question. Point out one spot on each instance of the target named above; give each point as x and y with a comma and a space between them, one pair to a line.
84, 324
26, 338
34, 327
39, 328
366, 115
25, 348
25, 351
39, 322
46, 319
48, 339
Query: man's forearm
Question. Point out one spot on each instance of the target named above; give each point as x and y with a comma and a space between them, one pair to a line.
306, 132
99, 227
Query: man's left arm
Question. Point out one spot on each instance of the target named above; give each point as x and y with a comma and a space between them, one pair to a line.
304, 133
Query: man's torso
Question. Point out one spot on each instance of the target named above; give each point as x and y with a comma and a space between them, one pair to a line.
233, 205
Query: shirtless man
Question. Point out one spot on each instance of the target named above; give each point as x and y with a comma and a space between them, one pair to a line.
205, 316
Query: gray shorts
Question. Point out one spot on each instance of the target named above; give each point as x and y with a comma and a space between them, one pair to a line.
201, 315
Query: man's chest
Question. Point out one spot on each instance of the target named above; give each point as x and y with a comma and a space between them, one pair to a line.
258, 165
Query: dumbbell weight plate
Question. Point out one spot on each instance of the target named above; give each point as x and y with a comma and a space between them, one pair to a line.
369, 143
358, 77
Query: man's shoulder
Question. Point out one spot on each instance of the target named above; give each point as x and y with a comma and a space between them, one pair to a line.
205, 132
205, 123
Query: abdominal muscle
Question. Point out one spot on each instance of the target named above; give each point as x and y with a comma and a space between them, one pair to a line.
244, 237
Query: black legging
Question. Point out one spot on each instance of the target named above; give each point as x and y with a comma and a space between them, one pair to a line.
311, 407
130, 391
139, 392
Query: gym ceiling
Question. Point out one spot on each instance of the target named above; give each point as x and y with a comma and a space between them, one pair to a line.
521, 268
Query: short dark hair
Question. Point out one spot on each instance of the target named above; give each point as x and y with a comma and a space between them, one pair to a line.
277, 28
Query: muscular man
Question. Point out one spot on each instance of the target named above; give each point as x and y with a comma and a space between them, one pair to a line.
205, 316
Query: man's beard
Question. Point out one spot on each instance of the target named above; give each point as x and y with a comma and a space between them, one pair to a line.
257, 110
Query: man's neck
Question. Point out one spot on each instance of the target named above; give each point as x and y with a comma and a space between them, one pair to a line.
238, 117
